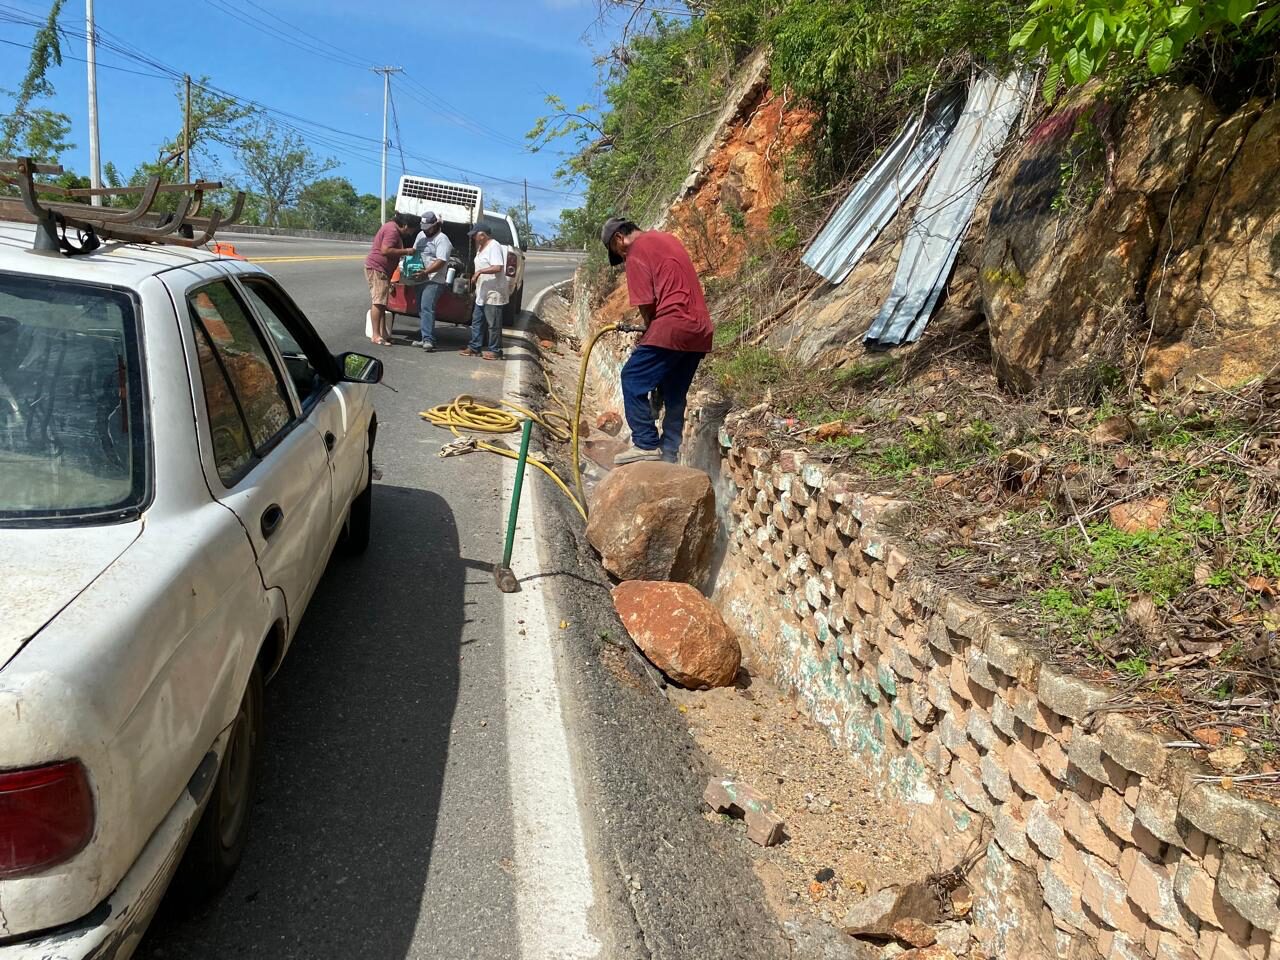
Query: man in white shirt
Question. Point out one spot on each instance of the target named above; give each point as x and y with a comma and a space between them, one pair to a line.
490, 284
435, 249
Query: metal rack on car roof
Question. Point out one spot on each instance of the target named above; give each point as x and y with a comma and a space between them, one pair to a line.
138, 224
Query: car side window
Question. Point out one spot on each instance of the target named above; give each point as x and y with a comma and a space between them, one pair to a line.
238, 378
289, 331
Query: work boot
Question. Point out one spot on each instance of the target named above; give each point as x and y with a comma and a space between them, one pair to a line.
635, 454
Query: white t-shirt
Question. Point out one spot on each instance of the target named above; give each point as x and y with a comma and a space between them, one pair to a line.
492, 288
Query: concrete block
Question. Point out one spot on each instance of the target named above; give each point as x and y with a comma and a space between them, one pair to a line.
966, 619
1053, 758
954, 736
979, 670
1027, 773
1012, 657
1151, 888
968, 787
938, 685
1061, 894
1116, 815
1244, 884
737, 799
1082, 824
880, 581
1171, 947
1228, 817
1197, 892
1133, 748
960, 679
1044, 830
1157, 810
1002, 718
937, 756
981, 731
868, 600
913, 641
1085, 754
896, 563
1068, 695
995, 778
1011, 834
1104, 892
922, 711
939, 637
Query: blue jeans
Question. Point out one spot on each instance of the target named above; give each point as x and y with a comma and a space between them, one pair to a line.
657, 368
486, 329
427, 299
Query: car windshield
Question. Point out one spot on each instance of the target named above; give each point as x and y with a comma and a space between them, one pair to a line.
71, 439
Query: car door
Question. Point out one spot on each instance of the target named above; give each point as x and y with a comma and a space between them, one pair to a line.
262, 459
327, 403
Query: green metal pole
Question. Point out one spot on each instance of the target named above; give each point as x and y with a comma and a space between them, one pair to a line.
515, 494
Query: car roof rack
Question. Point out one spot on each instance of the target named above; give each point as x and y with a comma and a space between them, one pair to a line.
182, 227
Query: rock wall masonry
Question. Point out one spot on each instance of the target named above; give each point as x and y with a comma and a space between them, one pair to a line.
1092, 838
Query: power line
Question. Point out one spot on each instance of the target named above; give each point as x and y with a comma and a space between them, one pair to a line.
399, 138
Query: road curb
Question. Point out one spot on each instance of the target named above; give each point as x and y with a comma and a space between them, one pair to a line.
546, 291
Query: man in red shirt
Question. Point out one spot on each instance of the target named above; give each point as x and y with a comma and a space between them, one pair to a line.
662, 283
390, 243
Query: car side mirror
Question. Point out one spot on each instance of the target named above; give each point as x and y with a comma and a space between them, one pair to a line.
358, 368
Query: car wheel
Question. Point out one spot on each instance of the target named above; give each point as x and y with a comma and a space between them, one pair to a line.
219, 839
360, 519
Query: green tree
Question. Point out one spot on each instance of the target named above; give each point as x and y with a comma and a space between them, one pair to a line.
279, 165
523, 224
332, 204
27, 130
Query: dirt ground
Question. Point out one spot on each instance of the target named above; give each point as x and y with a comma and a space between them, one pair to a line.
841, 841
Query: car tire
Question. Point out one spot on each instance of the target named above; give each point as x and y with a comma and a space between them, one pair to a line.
218, 842
355, 540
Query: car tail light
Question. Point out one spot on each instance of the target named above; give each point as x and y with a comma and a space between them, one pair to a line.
511, 264
46, 817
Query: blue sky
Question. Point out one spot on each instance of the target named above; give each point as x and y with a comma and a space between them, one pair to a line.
476, 76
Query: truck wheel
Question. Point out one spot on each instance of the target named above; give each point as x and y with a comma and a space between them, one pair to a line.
219, 839
355, 540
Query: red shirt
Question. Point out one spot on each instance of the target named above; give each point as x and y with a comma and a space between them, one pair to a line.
659, 272
388, 235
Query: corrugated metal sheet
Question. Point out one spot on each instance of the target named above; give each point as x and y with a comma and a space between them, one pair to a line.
878, 195
947, 206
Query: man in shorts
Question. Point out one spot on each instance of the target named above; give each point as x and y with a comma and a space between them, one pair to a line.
390, 243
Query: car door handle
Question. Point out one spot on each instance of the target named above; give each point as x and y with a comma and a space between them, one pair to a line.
329, 440
271, 518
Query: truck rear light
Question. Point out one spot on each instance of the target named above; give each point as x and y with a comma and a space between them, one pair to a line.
46, 817
511, 264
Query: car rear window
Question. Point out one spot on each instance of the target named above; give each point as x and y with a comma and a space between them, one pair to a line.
500, 230
72, 444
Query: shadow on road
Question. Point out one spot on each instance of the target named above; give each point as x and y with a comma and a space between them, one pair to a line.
358, 723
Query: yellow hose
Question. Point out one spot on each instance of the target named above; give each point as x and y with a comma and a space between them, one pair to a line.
577, 406
468, 413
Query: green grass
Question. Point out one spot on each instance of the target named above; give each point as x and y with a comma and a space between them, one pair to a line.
867, 373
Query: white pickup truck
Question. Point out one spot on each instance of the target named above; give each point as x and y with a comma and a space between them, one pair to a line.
179, 454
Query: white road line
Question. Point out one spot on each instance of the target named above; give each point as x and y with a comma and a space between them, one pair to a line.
554, 892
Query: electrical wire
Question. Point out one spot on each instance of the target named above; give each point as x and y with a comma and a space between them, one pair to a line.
396, 119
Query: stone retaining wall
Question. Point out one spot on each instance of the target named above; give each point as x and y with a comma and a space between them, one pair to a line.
1089, 835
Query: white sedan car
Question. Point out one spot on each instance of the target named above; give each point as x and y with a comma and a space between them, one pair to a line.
179, 455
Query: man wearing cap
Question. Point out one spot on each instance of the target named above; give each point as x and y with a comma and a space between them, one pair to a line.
662, 283
435, 249
490, 286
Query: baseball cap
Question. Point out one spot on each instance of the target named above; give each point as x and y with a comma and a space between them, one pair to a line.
430, 219
480, 227
607, 232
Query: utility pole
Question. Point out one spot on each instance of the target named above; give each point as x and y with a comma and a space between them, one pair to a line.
95, 164
386, 94
528, 227
186, 131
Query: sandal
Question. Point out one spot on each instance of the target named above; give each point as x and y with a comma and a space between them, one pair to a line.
490, 356
468, 352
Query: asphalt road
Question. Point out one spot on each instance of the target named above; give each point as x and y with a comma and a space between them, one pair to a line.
384, 823
456, 773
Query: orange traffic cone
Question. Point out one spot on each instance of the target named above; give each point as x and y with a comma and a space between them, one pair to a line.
226, 250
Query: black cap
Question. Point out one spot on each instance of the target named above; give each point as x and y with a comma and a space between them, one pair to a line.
481, 227
607, 232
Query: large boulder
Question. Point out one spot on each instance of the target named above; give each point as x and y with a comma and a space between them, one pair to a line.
680, 631
1067, 254
1213, 299
655, 521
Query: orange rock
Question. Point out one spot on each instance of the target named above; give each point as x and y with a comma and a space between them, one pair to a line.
680, 631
